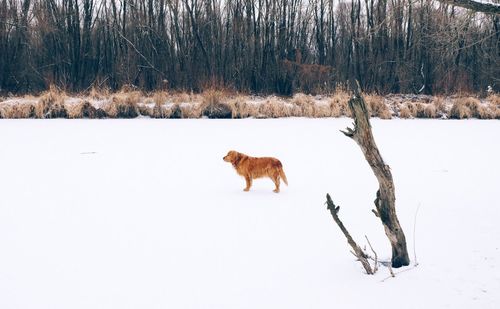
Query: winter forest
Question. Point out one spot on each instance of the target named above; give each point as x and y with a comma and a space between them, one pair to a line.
258, 46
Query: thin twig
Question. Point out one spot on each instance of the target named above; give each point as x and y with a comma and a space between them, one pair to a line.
414, 237
140, 54
390, 270
375, 265
399, 272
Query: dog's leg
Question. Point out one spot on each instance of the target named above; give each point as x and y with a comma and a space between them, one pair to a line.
276, 180
248, 179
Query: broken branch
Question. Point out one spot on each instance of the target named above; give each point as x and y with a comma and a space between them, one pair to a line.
334, 210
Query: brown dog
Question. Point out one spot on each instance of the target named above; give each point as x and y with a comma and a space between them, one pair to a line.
252, 168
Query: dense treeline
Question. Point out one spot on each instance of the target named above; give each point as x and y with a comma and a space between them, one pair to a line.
277, 46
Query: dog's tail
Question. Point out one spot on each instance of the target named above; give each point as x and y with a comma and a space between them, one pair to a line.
283, 176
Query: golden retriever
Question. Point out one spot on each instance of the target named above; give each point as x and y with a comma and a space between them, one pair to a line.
252, 168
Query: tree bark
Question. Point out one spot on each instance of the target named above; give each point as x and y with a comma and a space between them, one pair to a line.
386, 200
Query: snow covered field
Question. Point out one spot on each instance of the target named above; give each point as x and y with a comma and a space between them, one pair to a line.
145, 214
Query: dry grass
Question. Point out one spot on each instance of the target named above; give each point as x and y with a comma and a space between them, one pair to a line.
174, 112
99, 93
84, 109
274, 108
130, 103
430, 111
496, 113
338, 104
469, 107
494, 99
123, 104
188, 110
159, 111
74, 110
335, 109
183, 97
485, 113
412, 108
323, 110
459, 110
378, 107
162, 106
474, 106
160, 97
440, 105
405, 112
51, 104
493, 109
145, 110
18, 111
419, 109
305, 105
213, 105
242, 108
488, 112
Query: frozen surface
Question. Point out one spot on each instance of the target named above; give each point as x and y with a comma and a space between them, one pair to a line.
145, 214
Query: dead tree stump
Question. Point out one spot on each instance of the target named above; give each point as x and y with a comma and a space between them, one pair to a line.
386, 200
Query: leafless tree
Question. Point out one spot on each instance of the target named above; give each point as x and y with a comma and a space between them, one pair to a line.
260, 46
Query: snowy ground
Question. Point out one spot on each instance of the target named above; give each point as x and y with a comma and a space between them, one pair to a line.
145, 214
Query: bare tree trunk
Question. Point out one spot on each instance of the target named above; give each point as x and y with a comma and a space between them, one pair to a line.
385, 201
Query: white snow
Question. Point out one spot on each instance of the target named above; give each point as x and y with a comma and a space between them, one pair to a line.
487, 2
145, 214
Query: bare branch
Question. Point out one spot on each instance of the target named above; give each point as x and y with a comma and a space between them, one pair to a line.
390, 270
477, 6
414, 229
362, 257
375, 265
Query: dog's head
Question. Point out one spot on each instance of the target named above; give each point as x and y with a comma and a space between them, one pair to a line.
232, 156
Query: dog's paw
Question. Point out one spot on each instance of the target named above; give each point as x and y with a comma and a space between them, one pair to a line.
246, 189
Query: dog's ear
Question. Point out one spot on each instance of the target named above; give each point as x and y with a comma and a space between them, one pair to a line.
237, 158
